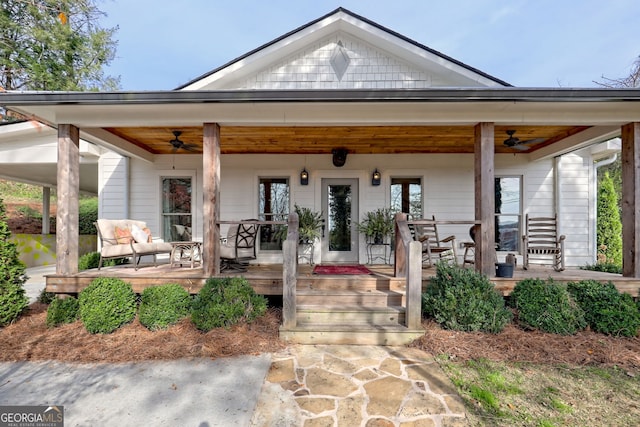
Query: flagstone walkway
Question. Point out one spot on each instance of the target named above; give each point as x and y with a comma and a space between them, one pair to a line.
370, 386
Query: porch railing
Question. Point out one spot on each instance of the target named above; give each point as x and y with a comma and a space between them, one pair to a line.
408, 263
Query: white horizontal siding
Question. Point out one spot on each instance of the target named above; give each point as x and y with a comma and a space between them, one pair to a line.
448, 188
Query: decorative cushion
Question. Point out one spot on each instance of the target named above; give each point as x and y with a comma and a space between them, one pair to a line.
146, 230
123, 235
138, 234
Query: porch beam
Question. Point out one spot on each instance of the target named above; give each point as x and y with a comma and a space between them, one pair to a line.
484, 152
211, 202
68, 178
631, 200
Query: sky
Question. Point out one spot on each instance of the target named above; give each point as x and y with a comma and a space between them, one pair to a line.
528, 43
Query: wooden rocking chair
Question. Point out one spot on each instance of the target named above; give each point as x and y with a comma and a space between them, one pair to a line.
434, 249
542, 244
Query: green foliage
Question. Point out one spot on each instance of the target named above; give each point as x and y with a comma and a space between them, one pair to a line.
92, 260
377, 224
106, 304
12, 275
547, 306
223, 302
15, 191
164, 305
609, 225
87, 215
62, 311
29, 212
54, 46
605, 309
46, 297
464, 300
605, 267
309, 225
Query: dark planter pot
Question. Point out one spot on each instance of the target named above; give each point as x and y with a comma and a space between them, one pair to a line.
378, 240
504, 270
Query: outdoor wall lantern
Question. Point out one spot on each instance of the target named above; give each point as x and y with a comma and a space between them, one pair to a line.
339, 156
375, 177
304, 177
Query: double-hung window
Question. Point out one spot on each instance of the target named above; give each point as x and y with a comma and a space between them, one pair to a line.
406, 196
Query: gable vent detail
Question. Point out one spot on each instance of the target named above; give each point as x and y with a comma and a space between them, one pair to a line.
340, 60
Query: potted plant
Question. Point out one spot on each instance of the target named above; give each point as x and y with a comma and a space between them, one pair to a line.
377, 225
309, 225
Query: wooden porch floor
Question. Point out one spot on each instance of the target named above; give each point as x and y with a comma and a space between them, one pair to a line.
267, 279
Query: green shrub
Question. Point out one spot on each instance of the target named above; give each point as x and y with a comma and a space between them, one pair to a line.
62, 311
163, 305
462, 299
46, 297
13, 276
106, 304
92, 260
87, 215
547, 306
604, 267
223, 302
606, 310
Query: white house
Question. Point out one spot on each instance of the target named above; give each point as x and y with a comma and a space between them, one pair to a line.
433, 127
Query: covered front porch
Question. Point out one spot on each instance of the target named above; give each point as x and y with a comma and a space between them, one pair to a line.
266, 279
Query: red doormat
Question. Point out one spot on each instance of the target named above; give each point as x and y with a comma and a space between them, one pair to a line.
341, 269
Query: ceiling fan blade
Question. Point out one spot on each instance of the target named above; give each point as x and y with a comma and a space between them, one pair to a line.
532, 141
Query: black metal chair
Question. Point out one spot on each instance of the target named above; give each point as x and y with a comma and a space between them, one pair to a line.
239, 247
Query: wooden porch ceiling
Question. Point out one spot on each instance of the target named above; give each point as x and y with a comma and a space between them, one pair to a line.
357, 139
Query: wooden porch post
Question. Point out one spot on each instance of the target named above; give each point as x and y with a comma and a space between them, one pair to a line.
414, 285
46, 210
211, 202
484, 150
290, 272
68, 178
631, 200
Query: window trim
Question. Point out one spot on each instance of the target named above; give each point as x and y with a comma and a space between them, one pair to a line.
191, 174
421, 178
261, 177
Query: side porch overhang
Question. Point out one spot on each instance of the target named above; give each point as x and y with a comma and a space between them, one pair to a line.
364, 121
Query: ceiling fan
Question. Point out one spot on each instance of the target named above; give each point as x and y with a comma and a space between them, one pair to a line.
177, 143
515, 142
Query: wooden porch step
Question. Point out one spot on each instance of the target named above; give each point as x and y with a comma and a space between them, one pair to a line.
350, 315
365, 298
358, 282
350, 334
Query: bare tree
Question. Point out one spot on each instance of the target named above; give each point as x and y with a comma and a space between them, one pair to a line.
631, 81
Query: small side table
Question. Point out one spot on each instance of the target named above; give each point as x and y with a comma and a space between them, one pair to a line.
189, 253
377, 251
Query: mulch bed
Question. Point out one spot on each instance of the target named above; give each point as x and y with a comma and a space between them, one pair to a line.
516, 345
30, 339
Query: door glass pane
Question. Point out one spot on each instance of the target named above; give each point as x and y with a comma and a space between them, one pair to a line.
339, 217
507, 210
273, 206
176, 209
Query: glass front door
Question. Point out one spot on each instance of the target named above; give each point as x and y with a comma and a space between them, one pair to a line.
340, 210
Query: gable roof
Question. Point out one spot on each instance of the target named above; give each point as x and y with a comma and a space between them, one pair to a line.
329, 31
